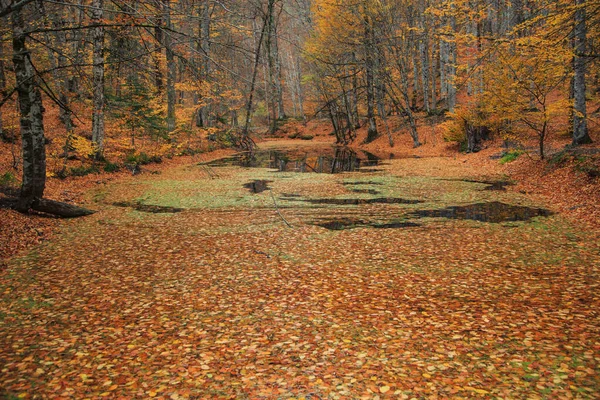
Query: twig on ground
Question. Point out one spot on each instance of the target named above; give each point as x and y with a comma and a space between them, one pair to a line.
279, 212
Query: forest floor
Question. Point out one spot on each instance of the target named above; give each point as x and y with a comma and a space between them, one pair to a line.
416, 278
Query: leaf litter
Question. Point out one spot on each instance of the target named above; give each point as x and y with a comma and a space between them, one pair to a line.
225, 301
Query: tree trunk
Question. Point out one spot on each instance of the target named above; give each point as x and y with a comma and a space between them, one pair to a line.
98, 78
278, 77
61, 209
2, 88
277, 109
372, 133
425, 72
580, 129
451, 72
443, 62
73, 81
158, 38
244, 140
205, 60
433, 80
355, 115
171, 67
32, 118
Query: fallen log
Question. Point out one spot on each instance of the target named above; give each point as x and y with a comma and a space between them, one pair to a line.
60, 209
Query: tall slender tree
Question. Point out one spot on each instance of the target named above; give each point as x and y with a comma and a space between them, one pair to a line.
98, 77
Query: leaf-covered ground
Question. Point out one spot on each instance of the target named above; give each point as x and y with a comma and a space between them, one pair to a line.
224, 300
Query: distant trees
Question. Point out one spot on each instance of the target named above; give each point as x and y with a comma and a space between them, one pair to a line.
418, 56
199, 57
220, 66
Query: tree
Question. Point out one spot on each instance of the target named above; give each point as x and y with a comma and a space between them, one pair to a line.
580, 126
32, 117
520, 85
98, 78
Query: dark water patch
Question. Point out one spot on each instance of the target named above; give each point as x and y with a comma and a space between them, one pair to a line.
321, 160
349, 223
499, 185
494, 212
356, 202
149, 208
257, 186
492, 185
366, 191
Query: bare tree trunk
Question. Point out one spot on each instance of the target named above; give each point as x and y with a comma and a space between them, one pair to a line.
381, 92
355, 115
32, 118
580, 129
372, 133
451, 72
244, 137
205, 57
415, 86
2, 87
98, 78
58, 62
171, 67
443, 65
278, 78
433, 80
274, 67
409, 114
78, 47
158, 38
424, 51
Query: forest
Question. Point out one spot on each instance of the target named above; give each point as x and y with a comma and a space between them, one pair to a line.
300, 199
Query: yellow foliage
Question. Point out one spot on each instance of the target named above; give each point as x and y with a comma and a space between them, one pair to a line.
82, 146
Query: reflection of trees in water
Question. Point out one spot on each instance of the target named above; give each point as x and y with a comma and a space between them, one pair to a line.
328, 160
343, 159
248, 159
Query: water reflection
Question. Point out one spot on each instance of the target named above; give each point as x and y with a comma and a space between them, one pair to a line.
493, 212
329, 160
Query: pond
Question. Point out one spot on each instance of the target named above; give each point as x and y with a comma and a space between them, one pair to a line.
326, 159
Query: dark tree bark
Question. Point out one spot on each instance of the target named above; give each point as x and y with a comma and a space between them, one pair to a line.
158, 38
580, 128
205, 67
171, 67
2, 88
32, 118
372, 133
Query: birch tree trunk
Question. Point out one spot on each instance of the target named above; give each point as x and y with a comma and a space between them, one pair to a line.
98, 78
580, 129
32, 118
